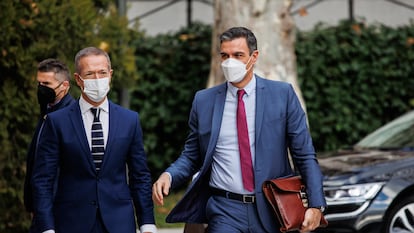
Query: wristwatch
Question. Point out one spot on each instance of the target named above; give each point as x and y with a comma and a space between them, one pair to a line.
321, 208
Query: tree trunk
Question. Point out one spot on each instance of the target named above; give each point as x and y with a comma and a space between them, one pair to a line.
274, 28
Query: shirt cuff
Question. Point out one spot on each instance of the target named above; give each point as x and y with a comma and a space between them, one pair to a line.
169, 175
49, 231
147, 228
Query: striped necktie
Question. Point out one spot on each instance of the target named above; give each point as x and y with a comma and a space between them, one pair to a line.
98, 148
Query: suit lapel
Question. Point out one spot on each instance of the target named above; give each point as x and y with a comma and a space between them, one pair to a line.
112, 130
217, 118
260, 105
79, 128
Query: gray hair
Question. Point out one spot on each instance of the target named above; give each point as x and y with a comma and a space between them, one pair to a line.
90, 51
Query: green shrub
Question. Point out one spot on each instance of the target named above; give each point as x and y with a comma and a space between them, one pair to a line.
354, 78
172, 67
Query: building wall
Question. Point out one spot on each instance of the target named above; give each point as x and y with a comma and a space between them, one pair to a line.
174, 16
170, 18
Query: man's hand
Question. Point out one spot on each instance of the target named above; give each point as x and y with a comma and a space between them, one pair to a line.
160, 188
312, 220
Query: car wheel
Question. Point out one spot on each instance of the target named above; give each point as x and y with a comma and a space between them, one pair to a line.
401, 217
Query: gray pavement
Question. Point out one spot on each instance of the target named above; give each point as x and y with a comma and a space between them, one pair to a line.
170, 230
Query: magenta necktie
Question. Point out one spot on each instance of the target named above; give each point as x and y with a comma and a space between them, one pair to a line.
244, 144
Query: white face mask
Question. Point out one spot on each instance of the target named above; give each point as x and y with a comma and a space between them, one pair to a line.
234, 70
96, 89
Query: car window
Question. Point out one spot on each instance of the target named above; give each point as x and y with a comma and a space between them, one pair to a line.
398, 133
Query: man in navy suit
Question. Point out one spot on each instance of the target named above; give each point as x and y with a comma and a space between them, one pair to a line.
53, 79
98, 190
276, 124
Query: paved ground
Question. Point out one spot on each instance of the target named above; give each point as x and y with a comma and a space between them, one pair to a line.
170, 230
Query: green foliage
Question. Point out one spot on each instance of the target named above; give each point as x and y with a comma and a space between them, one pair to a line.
172, 68
116, 39
354, 78
30, 32
161, 212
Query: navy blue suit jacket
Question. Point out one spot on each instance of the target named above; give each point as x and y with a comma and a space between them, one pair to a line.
28, 196
280, 125
64, 154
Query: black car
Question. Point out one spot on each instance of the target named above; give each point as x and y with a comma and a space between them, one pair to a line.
370, 187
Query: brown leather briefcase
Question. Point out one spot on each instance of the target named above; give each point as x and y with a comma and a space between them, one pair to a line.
287, 197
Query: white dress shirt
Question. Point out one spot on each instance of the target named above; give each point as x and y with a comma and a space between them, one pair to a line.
87, 118
226, 171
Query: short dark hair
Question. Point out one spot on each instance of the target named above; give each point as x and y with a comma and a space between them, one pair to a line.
90, 51
56, 66
238, 32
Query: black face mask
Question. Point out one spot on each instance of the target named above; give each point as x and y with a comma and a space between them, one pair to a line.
45, 96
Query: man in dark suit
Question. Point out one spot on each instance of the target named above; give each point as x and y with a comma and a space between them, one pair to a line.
53, 79
90, 148
227, 193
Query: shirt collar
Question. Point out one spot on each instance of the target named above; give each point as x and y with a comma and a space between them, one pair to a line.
85, 106
249, 88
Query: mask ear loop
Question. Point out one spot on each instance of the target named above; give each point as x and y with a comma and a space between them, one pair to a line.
60, 84
83, 81
247, 70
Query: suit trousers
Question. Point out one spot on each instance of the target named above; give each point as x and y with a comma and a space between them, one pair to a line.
98, 227
232, 216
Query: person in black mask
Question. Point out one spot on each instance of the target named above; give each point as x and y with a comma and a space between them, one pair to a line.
53, 79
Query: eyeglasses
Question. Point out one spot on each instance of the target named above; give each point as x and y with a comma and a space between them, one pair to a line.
97, 74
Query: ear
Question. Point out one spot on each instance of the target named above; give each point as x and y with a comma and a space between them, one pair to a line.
66, 84
77, 79
255, 55
110, 76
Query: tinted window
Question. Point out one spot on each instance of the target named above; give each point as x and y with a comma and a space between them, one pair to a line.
398, 133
